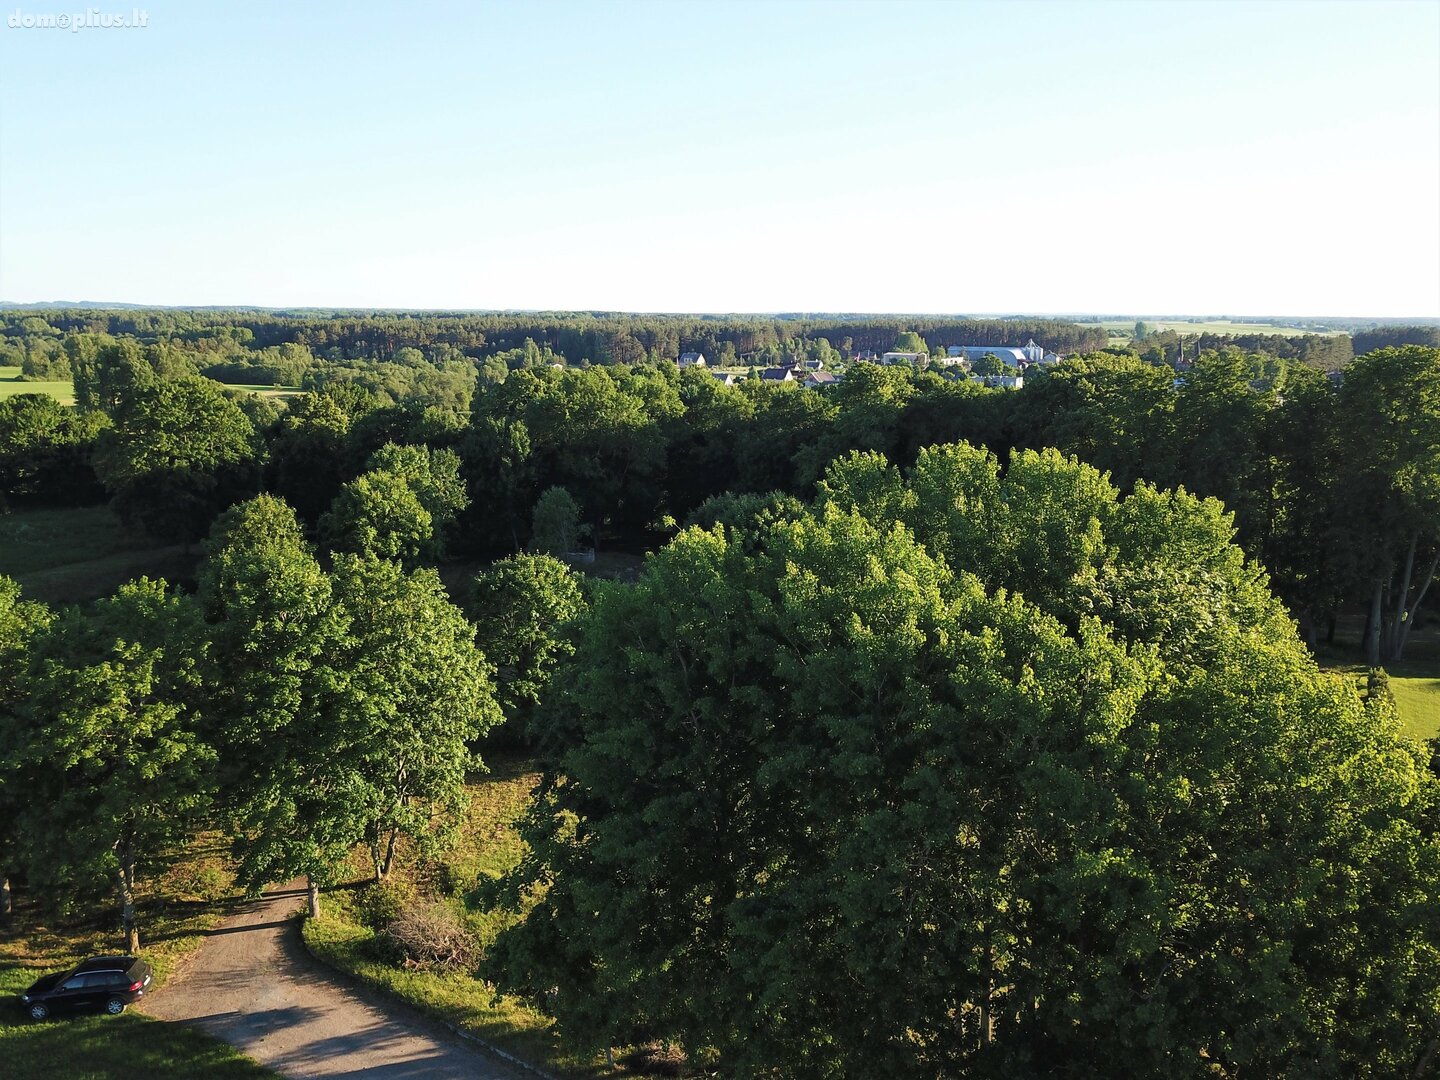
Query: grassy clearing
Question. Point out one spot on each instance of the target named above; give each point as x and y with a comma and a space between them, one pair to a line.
78, 553
1415, 682
11, 384
1419, 703
487, 846
281, 393
176, 909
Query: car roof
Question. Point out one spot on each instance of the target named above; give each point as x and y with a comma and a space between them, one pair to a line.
106, 963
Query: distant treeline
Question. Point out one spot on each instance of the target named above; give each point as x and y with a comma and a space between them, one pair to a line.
1325, 352
575, 336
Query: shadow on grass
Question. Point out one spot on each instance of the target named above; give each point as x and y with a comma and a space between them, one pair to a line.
119, 1048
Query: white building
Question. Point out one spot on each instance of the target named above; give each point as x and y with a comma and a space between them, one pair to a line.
903, 357
692, 359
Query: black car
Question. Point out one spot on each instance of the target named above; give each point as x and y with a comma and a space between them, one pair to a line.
107, 983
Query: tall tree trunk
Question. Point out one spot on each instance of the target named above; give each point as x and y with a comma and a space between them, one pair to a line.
1415, 607
6, 907
1330, 628
125, 883
1372, 628
312, 896
1402, 598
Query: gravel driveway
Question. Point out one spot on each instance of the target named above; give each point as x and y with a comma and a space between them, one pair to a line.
253, 984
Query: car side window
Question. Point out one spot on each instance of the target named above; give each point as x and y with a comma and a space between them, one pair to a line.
77, 983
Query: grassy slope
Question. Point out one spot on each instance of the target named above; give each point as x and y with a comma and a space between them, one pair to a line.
487, 847
67, 555
175, 910
11, 384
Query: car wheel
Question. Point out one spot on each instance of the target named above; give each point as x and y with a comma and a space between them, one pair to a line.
39, 1011
114, 1006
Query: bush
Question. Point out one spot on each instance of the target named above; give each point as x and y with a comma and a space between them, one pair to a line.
1377, 685
381, 904
431, 936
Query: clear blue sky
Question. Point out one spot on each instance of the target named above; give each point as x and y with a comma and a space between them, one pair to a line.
1220, 157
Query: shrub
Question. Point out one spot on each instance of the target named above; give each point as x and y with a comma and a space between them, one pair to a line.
431, 935
380, 904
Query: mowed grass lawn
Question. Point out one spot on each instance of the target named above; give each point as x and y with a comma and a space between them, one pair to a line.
1418, 699
78, 553
175, 910
11, 384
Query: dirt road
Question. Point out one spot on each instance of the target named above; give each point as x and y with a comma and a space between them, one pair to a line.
253, 985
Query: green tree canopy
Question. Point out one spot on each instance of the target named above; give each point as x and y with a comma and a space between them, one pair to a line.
909, 341
178, 453
525, 609
555, 529
378, 514
1053, 755
273, 696
417, 694
105, 743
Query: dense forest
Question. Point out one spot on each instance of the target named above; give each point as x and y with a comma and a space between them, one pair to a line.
1006, 689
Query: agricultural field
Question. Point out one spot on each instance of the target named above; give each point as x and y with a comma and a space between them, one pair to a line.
11, 384
78, 553
1213, 326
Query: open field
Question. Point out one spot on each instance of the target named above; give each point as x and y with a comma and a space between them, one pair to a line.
1214, 326
280, 393
1419, 703
175, 910
64, 390
11, 384
488, 845
74, 554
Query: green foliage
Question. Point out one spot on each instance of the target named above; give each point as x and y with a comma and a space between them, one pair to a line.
178, 453
400, 508
273, 695
987, 364
104, 743
379, 515
45, 449
1054, 755
416, 694
349, 701
524, 609
347, 936
555, 528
